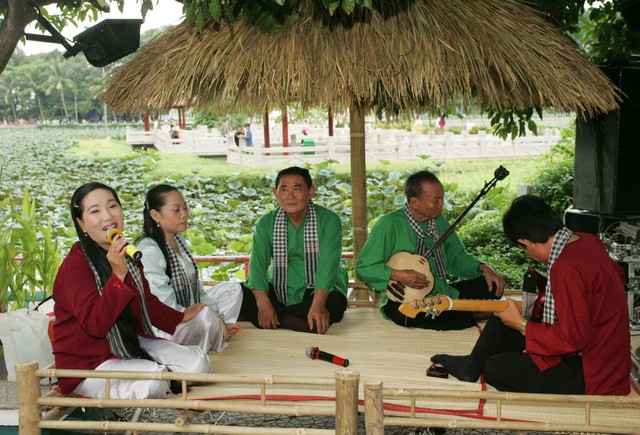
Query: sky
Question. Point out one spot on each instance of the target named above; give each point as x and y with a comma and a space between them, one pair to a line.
164, 13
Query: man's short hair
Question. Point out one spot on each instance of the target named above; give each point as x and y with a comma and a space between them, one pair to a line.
530, 217
295, 170
247, 125
413, 185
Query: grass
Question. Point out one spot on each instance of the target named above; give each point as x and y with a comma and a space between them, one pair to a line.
102, 149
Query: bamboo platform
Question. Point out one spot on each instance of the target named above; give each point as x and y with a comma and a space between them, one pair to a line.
268, 372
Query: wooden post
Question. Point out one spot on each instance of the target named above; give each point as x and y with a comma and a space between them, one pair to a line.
147, 126
358, 181
373, 408
347, 385
28, 394
265, 129
330, 121
285, 128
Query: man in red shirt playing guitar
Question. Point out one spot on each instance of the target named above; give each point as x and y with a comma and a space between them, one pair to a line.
581, 346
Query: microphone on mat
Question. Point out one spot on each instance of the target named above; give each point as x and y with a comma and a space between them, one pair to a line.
131, 250
314, 353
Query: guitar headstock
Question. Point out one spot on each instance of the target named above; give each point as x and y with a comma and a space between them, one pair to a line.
432, 306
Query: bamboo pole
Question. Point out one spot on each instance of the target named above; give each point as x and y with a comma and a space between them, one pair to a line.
511, 397
185, 417
347, 382
103, 426
460, 423
190, 377
358, 184
28, 393
330, 121
285, 127
373, 408
265, 129
284, 408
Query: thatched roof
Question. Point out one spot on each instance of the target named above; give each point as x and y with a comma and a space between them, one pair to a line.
417, 54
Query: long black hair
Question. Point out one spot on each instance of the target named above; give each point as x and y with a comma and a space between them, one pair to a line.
155, 198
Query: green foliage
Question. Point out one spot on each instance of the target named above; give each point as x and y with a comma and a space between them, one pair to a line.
483, 236
225, 203
512, 123
600, 28
215, 120
553, 181
22, 236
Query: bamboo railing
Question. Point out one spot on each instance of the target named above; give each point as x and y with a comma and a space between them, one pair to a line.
376, 420
37, 412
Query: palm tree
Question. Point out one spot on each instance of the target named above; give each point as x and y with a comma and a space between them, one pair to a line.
36, 82
9, 90
59, 81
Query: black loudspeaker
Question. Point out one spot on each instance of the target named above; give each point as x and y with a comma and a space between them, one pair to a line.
109, 40
619, 162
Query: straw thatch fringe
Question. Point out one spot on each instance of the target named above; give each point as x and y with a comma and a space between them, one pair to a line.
416, 54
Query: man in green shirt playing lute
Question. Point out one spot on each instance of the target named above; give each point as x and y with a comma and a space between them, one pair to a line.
295, 277
414, 229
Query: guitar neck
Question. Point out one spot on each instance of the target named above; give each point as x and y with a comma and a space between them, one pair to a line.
481, 305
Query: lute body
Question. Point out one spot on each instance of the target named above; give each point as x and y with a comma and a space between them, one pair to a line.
398, 292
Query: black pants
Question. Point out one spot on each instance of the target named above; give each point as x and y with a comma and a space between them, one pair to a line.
336, 305
449, 320
508, 368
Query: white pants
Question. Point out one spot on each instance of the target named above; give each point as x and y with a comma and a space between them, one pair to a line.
205, 330
177, 357
228, 297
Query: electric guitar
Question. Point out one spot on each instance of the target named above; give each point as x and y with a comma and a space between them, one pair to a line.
533, 288
436, 305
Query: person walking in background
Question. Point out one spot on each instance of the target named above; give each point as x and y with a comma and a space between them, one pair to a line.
441, 124
248, 135
173, 273
105, 313
295, 277
306, 130
237, 135
224, 130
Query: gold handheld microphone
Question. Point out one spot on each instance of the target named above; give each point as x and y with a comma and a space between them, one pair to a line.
130, 249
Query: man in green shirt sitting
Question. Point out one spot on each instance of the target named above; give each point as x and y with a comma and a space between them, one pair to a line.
295, 278
414, 229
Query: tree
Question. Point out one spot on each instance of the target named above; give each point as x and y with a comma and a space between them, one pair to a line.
58, 80
8, 87
35, 81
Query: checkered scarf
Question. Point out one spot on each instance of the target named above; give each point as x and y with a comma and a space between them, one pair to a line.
560, 241
186, 291
280, 254
117, 344
441, 267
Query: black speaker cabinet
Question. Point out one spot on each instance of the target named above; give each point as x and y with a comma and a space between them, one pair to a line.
620, 153
109, 40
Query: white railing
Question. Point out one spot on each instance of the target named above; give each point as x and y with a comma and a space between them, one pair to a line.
379, 145
199, 141
386, 145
